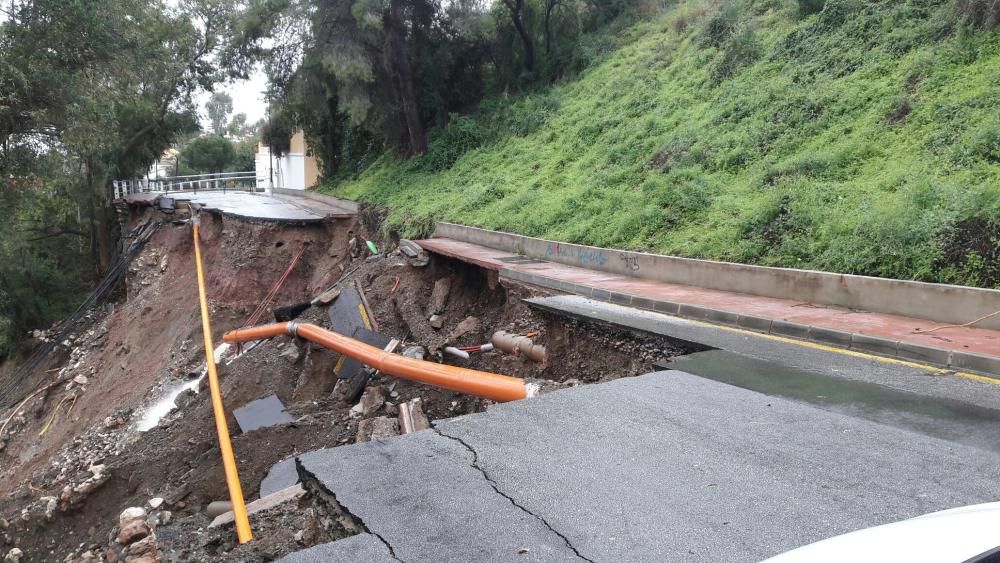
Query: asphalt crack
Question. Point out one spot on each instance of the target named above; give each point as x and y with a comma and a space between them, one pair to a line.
496, 487
328, 498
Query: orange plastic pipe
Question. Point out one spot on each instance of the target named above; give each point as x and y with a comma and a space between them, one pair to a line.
501, 388
225, 445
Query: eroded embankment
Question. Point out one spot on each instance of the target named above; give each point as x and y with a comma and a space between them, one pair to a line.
149, 343
121, 357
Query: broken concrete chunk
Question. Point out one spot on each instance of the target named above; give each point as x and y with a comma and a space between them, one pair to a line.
415, 352
416, 255
412, 417
371, 400
263, 504
13, 556
439, 296
469, 325
377, 428
437, 321
409, 248
155, 502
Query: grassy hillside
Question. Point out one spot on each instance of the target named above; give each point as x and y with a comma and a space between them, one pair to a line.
864, 138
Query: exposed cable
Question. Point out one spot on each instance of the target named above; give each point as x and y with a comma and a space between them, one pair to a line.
269, 298
970, 323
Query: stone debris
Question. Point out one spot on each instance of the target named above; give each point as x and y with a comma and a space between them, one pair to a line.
467, 326
291, 353
155, 502
377, 428
439, 297
437, 321
215, 508
372, 400
131, 531
13, 556
414, 253
415, 352
134, 539
412, 417
270, 502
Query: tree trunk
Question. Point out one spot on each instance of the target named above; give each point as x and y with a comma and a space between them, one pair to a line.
549, 6
100, 221
515, 7
403, 76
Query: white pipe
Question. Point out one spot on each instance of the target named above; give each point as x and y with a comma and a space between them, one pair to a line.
456, 352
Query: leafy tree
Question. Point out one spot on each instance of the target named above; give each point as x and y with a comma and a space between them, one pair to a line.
238, 127
211, 153
218, 108
244, 156
90, 91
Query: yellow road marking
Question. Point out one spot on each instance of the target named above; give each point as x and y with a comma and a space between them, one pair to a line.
364, 316
854, 353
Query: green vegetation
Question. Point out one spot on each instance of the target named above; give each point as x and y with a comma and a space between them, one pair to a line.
845, 135
90, 91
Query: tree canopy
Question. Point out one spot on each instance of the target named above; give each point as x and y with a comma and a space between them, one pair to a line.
90, 91
211, 153
218, 108
360, 75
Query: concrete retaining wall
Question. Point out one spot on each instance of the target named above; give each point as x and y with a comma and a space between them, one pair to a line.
936, 302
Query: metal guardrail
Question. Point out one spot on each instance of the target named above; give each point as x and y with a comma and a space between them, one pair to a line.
243, 181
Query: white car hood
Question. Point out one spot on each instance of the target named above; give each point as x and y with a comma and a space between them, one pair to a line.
954, 535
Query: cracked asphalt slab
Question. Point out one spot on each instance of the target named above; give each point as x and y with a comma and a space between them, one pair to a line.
665, 466
423, 496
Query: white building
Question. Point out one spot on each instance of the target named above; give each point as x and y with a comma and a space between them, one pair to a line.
295, 170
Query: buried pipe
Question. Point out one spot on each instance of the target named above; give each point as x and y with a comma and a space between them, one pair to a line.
458, 353
500, 388
517, 344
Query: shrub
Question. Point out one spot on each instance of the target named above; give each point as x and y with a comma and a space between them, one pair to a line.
462, 134
809, 7
720, 26
741, 50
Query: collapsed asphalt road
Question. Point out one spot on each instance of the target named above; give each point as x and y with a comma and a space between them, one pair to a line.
666, 466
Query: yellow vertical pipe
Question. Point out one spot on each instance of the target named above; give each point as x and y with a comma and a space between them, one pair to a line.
225, 445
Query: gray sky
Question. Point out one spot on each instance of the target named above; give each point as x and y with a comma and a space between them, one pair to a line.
248, 98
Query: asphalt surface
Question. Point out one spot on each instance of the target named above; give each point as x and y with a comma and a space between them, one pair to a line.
663, 467
928, 381
253, 206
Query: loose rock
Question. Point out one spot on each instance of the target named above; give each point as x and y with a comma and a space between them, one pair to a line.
371, 400
132, 531
439, 296
131, 513
376, 428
